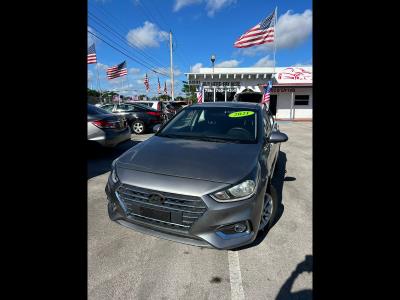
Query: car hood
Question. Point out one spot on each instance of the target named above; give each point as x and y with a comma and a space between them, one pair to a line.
218, 162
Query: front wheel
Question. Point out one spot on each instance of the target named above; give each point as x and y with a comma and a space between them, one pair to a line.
270, 207
138, 127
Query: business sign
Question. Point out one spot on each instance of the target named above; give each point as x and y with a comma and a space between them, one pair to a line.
220, 90
214, 83
294, 75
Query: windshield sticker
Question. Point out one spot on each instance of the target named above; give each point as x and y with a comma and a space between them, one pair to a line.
240, 114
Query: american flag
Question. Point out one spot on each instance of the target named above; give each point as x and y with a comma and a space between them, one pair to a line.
91, 56
159, 86
262, 33
200, 95
117, 71
266, 93
146, 83
165, 88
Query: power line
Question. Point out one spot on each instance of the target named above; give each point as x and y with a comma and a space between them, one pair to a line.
127, 55
105, 26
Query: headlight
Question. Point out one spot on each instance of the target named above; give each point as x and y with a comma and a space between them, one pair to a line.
114, 176
241, 191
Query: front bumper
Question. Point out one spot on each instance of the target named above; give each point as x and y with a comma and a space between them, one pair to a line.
205, 231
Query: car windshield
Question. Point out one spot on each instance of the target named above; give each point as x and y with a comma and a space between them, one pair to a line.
216, 124
94, 110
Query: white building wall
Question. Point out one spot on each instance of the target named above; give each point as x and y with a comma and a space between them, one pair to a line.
284, 104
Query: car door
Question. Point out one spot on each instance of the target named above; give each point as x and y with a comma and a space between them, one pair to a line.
267, 130
274, 147
127, 110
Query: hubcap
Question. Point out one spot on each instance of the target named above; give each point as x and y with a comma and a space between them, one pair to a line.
137, 127
267, 211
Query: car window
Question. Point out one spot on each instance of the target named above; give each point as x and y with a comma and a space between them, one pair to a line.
94, 110
266, 122
270, 118
223, 124
125, 107
108, 108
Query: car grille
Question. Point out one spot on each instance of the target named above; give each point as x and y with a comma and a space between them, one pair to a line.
186, 209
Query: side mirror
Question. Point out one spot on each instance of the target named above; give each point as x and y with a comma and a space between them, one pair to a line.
156, 128
277, 137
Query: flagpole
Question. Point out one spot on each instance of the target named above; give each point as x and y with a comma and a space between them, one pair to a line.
275, 21
98, 79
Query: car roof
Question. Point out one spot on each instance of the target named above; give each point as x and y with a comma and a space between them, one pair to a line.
229, 104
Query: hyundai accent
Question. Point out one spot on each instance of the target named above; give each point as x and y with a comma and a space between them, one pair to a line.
203, 179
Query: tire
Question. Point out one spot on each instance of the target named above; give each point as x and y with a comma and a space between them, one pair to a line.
270, 209
138, 127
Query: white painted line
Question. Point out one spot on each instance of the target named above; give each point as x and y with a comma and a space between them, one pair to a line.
237, 292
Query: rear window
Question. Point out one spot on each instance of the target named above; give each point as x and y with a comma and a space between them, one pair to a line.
94, 110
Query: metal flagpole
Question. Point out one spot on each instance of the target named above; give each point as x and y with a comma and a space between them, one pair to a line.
98, 79
275, 21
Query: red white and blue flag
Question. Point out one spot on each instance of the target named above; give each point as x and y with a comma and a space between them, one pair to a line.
91, 56
262, 33
117, 71
146, 83
200, 95
266, 92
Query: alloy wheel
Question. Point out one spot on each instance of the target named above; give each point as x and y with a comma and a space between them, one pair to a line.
267, 211
138, 128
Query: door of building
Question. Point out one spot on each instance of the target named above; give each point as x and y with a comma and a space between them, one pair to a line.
272, 104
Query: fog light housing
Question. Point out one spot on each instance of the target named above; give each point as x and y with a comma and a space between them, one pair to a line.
240, 227
234, 230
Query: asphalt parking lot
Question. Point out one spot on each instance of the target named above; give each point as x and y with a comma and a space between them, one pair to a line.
124, 264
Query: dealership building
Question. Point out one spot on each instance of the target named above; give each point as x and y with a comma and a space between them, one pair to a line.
291, 95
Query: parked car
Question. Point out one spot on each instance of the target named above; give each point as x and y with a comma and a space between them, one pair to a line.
106, 129
140, 118
255, 97
157, 105
248, 96
203, 179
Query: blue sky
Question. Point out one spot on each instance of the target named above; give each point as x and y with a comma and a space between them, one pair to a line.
200, 28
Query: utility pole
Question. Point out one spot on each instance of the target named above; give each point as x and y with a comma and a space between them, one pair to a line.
172, 67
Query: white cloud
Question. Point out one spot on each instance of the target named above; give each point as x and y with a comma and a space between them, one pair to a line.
228, 64
264, 62
101, 67
134, 71
215, 5
212, 6
291, 31
146, 36
182, 3
90, 75
196, 68
90, 37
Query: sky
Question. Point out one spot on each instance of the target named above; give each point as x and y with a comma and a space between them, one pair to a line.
140, 30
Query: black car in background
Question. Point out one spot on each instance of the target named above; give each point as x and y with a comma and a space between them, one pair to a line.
140, 118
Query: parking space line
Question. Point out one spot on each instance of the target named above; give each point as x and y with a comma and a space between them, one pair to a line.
237, 292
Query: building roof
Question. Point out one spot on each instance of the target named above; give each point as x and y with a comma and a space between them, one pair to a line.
247, 70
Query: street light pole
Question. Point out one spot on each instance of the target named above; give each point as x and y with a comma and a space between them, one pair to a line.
212, 61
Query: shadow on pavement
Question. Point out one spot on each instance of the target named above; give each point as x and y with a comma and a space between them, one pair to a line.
285, 291
277, 182
99, 159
